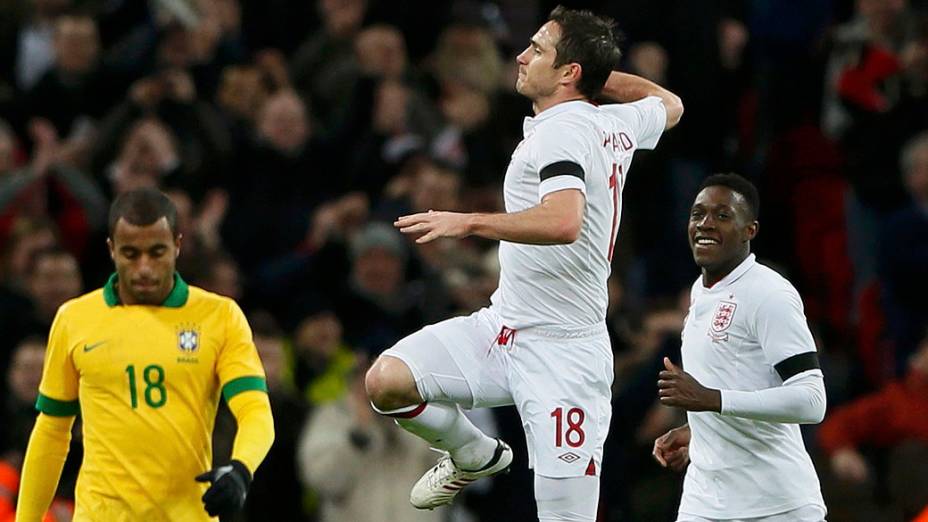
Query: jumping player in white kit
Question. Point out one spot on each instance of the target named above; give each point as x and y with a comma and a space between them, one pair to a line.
542, 344
752, 376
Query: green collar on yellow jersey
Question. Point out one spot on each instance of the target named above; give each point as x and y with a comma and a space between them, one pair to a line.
176, 299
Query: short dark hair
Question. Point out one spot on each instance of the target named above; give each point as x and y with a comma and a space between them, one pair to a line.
143, 207
737, 184
589, 40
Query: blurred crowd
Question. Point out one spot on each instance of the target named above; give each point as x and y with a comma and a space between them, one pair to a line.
291, 133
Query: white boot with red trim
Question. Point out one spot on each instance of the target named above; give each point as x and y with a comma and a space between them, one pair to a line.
444, 481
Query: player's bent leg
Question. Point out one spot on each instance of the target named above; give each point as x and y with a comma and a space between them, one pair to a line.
571, 499
422, 362
391, 385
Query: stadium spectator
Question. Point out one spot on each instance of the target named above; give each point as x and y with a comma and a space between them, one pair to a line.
894, 420
54, 277
49, 188
375, 302
359, 463
324, 67
76, 91
904, 256
323, 362
199, 144
896, 413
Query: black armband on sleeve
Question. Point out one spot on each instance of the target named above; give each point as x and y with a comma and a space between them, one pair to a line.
797, 364
561, 168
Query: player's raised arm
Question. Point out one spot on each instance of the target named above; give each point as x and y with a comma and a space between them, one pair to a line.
624, 87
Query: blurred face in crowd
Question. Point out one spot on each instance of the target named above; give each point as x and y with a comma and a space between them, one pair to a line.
25, 371
434, 188
319, 335
24, 245
176, 49
271, 352
242, 91
379, 271
468, 55
77, 44
145, 258
284, 123
381, 50
147, 153
342, 17
224, 279
55, 278
537, 76
720, 231
916, 176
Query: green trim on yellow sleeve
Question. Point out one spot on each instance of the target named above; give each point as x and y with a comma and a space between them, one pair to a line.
57, 408
243, 384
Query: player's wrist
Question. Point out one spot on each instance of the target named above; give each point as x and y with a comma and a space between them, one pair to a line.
474, 224
714, 400
243, 471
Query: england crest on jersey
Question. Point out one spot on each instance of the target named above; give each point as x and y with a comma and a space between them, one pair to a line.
721, 320
188, 338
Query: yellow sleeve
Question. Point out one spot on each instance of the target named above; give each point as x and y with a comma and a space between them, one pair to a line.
59, 387
45, 456
255, 435
238, 365
244, 388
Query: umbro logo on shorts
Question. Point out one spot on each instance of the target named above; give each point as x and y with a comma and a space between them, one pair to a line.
569, 457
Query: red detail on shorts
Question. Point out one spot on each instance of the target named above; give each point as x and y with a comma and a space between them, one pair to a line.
591, 468
506, 335
409, 414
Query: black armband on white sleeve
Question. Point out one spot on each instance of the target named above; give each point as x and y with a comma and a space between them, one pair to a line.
562, 168
797, 364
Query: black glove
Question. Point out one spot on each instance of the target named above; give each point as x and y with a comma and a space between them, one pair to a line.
228, 488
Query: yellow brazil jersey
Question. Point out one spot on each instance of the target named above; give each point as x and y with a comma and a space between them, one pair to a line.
147, 381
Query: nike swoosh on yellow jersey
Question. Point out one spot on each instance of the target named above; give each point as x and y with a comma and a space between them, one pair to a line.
88, 347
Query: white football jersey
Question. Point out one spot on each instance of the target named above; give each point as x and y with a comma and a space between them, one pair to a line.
565, 285
742, 334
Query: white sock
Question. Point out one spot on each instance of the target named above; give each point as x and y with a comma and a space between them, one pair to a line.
446, 427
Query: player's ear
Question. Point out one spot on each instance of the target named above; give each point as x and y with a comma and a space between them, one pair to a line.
177, 239
571, 73
109, 245
751, 230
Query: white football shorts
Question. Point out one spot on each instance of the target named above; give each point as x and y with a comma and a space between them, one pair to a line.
559, 380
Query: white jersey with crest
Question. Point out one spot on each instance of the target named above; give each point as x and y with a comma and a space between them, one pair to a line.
564, 286
737, 334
